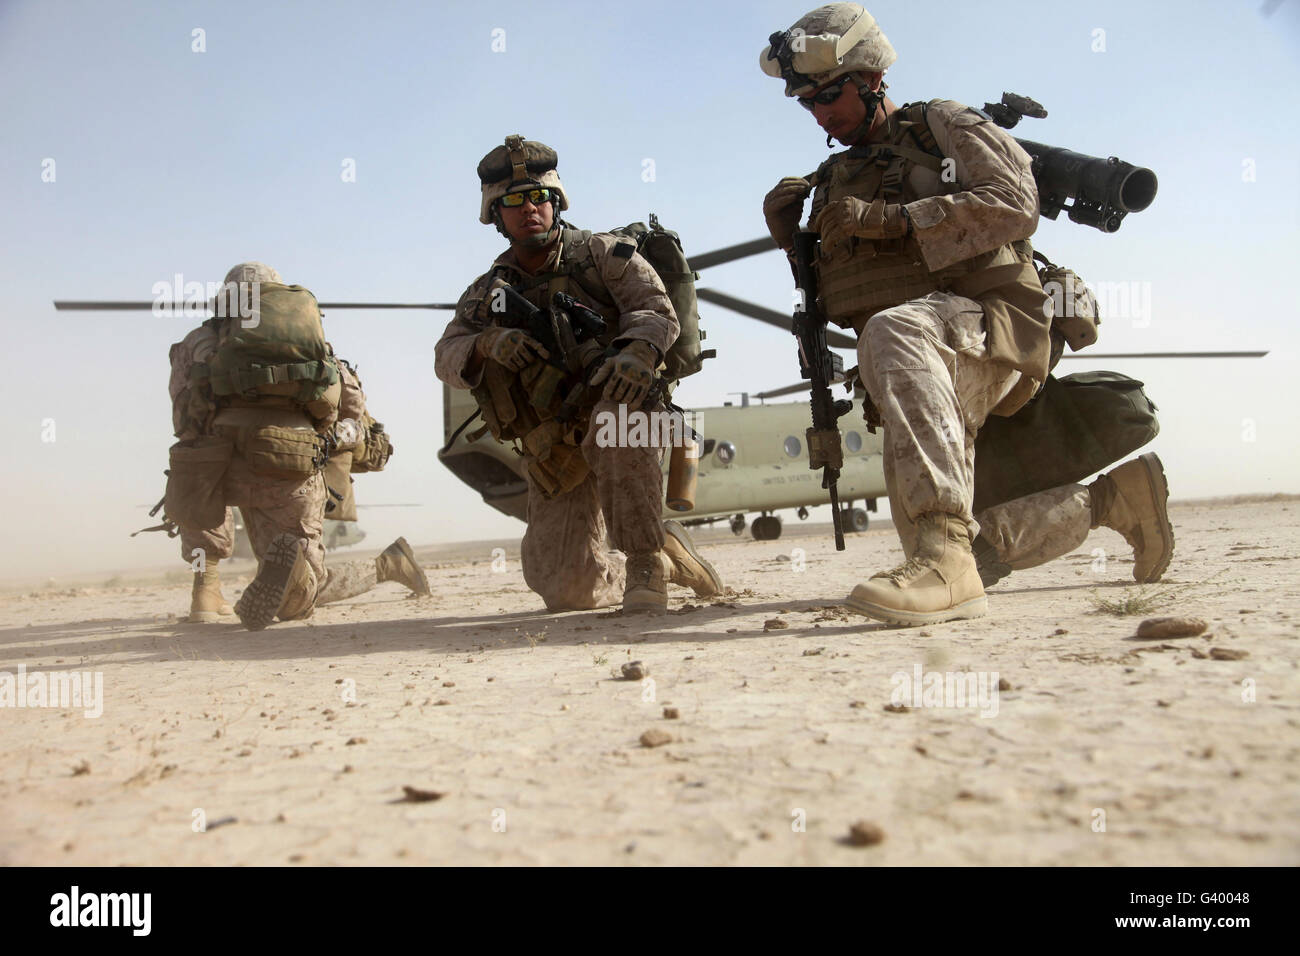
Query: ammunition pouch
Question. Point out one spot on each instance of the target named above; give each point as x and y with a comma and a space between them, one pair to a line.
1073, 307
543, 383
1075, 427
195, 496
276, 452
554, 466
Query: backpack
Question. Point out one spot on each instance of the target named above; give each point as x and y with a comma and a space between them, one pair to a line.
283, 353
662, 248
1074, 427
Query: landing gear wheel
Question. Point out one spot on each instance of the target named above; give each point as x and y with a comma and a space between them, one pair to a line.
737, 524
856, 519
767, 528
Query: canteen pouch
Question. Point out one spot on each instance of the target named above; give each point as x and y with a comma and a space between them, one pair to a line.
195, 478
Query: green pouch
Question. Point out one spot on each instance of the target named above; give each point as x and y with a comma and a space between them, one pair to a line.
278, 452
1075, 427
196, 474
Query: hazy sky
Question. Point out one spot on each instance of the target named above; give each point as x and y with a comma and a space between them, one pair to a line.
166, 160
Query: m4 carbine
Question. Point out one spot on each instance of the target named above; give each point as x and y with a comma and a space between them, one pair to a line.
570, 332
821, 367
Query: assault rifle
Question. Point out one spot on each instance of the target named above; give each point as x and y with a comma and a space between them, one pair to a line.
1104, 190
570, 332
821, 366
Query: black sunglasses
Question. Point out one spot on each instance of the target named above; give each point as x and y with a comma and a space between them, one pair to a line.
827, 96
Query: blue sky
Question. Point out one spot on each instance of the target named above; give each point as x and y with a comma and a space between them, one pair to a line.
168, 160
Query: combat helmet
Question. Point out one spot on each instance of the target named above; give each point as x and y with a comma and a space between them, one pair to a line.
519, 164
243, 272
825, 44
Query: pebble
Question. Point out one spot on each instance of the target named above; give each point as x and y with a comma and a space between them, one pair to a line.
1162, 628
655, 738
1227, 654
775, 624
1004, 684
635, 670
671, 713
897, 708
864, 833
813, 651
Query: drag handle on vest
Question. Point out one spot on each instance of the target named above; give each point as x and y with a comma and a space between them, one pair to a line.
683, 469
819, 365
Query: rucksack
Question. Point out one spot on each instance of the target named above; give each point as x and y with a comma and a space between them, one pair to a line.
282, 353
662, 248
1074, 427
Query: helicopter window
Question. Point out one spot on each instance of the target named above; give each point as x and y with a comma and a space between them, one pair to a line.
853, 442
726, 452
793, 447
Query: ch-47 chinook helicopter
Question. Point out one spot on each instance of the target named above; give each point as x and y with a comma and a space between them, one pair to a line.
753, 457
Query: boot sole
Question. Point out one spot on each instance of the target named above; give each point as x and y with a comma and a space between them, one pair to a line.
975, 607
674, 530
261, 600
1155, 469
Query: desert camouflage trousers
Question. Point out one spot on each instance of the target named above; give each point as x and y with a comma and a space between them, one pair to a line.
270, 506
1038, 528
565, 551
925, 365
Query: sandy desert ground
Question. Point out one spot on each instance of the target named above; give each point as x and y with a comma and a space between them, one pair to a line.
295, 744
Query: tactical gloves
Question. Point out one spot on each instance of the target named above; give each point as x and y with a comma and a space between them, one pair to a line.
513, 348
630, 373
783, 208
851, 217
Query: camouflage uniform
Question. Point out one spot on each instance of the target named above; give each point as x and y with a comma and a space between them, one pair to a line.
926, 362
565, 555
270, 506
273, 506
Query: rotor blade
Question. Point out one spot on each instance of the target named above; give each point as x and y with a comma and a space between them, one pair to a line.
740, 250
792, 389
1164, 355
770, 316
67, 305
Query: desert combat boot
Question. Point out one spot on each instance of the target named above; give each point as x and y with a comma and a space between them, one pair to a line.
686, 568
646, 589
397, 563
283, 577
1133, 500
939, 582
206, 603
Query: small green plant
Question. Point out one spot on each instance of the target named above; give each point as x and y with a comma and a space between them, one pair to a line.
600, 660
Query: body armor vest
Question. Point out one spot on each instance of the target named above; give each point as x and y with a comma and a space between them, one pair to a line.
879, 274
874, 275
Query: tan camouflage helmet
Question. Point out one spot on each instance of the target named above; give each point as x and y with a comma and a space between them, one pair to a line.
825, 44
252, 272
519, 164
246, 272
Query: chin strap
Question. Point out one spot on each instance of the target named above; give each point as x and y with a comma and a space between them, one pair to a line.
871, 99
